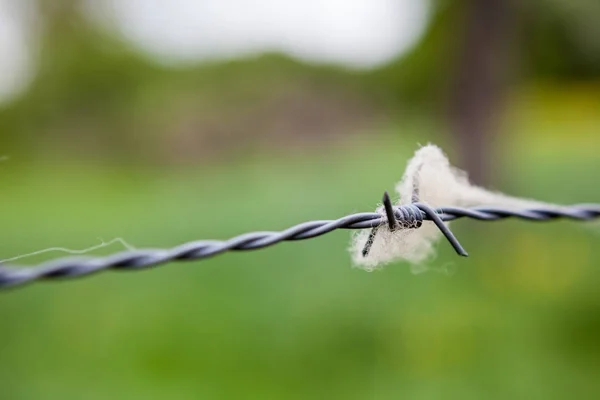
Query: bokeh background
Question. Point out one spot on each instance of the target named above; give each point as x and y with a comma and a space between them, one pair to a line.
164, 121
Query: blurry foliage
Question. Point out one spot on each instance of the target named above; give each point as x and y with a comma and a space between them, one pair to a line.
96, 97
560, 39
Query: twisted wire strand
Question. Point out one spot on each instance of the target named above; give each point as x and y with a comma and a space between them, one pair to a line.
406, 216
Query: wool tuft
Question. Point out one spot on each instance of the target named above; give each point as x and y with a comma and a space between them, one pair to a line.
438, 184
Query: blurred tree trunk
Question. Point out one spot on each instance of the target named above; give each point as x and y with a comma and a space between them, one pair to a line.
479, 83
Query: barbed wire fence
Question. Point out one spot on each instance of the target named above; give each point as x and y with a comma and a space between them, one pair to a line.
410, 216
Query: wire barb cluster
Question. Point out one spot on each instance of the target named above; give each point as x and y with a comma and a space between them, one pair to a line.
410, 215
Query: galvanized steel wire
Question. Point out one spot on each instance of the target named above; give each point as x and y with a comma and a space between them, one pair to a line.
408, 216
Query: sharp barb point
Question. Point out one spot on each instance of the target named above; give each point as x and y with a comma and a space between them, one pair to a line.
431, 213
389, 211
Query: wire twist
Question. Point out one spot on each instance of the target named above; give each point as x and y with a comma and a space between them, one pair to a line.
408, 216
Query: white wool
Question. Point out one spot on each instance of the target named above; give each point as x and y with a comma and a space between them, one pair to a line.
439, 184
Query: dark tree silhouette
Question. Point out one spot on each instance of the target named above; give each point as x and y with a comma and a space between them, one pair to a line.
483, 64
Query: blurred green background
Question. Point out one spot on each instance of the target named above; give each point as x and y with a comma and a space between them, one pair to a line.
106, 140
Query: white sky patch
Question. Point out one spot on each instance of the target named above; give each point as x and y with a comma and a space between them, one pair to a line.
15, 47
359, 33
353, 33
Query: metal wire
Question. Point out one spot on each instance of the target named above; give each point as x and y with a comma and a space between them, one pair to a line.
408, 216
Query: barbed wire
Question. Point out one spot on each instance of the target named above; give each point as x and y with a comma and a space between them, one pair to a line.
408, 216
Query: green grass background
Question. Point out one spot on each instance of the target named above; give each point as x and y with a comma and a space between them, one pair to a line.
519, 319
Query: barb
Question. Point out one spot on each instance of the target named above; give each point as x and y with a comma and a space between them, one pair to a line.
72, 267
